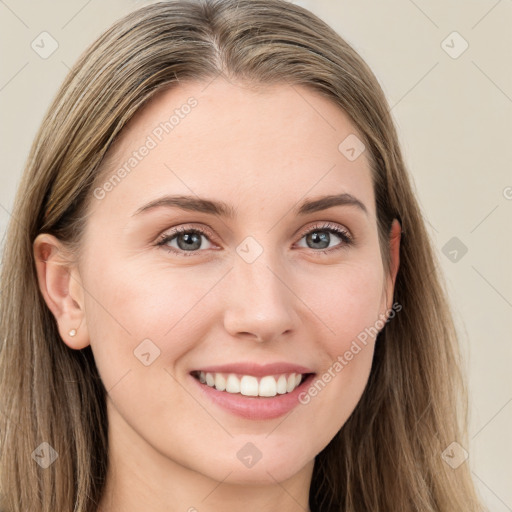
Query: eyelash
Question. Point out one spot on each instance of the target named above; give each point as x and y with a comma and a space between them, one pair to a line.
347, 239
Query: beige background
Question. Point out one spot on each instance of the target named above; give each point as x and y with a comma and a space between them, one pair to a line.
454, 117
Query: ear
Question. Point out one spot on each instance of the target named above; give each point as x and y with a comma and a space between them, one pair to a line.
61, 287
394, 251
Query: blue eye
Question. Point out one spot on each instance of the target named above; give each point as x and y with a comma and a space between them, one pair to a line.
189, 240
318, 235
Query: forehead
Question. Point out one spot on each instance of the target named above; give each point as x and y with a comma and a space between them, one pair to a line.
233, 142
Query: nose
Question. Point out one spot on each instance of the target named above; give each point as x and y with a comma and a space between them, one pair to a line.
260, 303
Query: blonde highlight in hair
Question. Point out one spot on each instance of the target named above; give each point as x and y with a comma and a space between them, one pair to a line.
387, 456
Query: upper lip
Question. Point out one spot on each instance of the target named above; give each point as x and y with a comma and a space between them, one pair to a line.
258, 370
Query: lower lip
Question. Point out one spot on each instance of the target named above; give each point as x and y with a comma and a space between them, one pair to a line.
255, 408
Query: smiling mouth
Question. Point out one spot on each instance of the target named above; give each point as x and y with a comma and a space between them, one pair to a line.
250, 385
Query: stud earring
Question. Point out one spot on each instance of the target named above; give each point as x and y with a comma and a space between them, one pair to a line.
72, 332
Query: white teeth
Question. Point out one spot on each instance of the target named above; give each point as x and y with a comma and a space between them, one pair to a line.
281, 385
220, 382
233, 384
210, 380
268, 386
249, 385
290, 383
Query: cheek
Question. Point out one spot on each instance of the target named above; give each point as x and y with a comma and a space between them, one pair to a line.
143, 320
130, 307
145, 298
351, 318
347, 301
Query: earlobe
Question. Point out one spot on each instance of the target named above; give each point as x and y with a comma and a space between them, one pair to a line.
60, 285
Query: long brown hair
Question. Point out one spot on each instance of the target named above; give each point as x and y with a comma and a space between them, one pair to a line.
387, 457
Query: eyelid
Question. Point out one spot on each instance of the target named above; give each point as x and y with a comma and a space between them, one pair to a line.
327, 225
187, 228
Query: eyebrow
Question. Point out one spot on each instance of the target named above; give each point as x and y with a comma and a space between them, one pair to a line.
222, 209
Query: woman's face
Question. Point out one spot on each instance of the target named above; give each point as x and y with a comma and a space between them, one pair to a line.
263, 279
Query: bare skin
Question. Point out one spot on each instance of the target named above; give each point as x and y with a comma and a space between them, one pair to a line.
262, 153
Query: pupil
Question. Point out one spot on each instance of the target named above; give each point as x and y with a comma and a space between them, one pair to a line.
323, 237
190, 239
